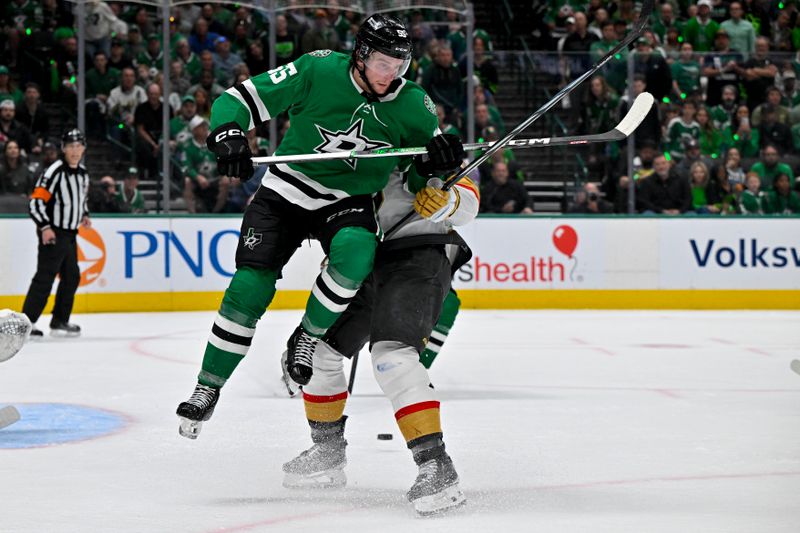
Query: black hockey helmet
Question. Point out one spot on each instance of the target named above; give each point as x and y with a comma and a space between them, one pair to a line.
73, 136
384, 34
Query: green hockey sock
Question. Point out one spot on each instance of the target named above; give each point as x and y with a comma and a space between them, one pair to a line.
442, 328
349, 263
247, 297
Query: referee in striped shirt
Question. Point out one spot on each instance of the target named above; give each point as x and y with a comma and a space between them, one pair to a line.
58, 207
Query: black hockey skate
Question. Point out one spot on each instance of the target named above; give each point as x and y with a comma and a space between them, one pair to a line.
322, 465
436, 488
36, 334
196, 410
300, 356
64, 329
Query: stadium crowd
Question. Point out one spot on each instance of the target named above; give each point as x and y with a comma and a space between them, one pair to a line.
724, 138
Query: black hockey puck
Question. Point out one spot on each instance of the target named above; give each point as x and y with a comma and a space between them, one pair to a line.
385, 436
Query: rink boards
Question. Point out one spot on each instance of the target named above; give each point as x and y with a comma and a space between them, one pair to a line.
158, 263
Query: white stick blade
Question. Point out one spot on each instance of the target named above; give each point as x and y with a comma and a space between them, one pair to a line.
8, 415
796, 365
640, 108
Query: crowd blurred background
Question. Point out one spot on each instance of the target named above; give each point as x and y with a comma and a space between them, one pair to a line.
724, 138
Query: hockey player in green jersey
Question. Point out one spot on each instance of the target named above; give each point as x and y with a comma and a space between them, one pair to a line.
335, 103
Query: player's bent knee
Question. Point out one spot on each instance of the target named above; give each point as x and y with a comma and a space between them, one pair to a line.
400, 375
328, 378
353, 253
250, 292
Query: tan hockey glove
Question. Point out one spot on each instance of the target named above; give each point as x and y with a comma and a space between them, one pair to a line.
435, 204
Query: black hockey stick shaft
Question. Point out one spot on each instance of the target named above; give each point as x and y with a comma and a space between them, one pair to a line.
353, 366
641, 23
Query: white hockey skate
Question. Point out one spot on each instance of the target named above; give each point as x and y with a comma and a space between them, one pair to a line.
436, 489
322, 465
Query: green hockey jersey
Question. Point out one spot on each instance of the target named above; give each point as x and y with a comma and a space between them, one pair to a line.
197, 159
328, 112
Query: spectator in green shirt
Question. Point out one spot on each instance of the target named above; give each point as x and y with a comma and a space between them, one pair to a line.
700, 30
741, 135
698, 177
685, 74
179, 131
153, 55
723, 113
129, 196
616, 71
100, 80
681, 129
741, 31
665, 21
752, 199
782, 200
710, 137
770, 167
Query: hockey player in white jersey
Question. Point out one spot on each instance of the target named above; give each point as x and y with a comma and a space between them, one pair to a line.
395, 311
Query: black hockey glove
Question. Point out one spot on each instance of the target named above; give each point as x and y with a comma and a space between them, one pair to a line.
230, 146
445, 155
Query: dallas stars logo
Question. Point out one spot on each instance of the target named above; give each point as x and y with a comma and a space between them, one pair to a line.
252, 239
347, 141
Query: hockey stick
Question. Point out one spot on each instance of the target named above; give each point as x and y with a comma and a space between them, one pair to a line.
796, 365
8, 415
353, 366
635, 115
641, 23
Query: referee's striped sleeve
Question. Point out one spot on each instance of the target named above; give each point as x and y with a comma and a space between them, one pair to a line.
42, 193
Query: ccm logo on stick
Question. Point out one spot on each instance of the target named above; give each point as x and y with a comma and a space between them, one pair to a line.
529, 142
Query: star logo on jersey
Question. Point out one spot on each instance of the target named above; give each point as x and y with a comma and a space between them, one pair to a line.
347, 141
252, 239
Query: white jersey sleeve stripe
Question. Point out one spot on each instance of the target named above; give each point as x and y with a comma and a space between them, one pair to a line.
233, 92
262, 109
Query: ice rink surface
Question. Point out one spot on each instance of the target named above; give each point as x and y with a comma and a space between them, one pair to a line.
558, 421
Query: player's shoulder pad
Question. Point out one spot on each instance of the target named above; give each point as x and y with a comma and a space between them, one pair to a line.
415, 95
324, 57
322, 61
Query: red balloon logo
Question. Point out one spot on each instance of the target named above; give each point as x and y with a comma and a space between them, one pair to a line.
565, 240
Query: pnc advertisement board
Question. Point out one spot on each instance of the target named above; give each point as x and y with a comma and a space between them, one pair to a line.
126, 256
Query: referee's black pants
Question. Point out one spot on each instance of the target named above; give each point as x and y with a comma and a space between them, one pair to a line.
60, 259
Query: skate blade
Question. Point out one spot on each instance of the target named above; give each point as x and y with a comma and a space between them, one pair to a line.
189, 428
444, 501
291, 387
64, 334
327, 479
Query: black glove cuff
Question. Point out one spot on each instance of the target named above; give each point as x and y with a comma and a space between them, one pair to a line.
229, 130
